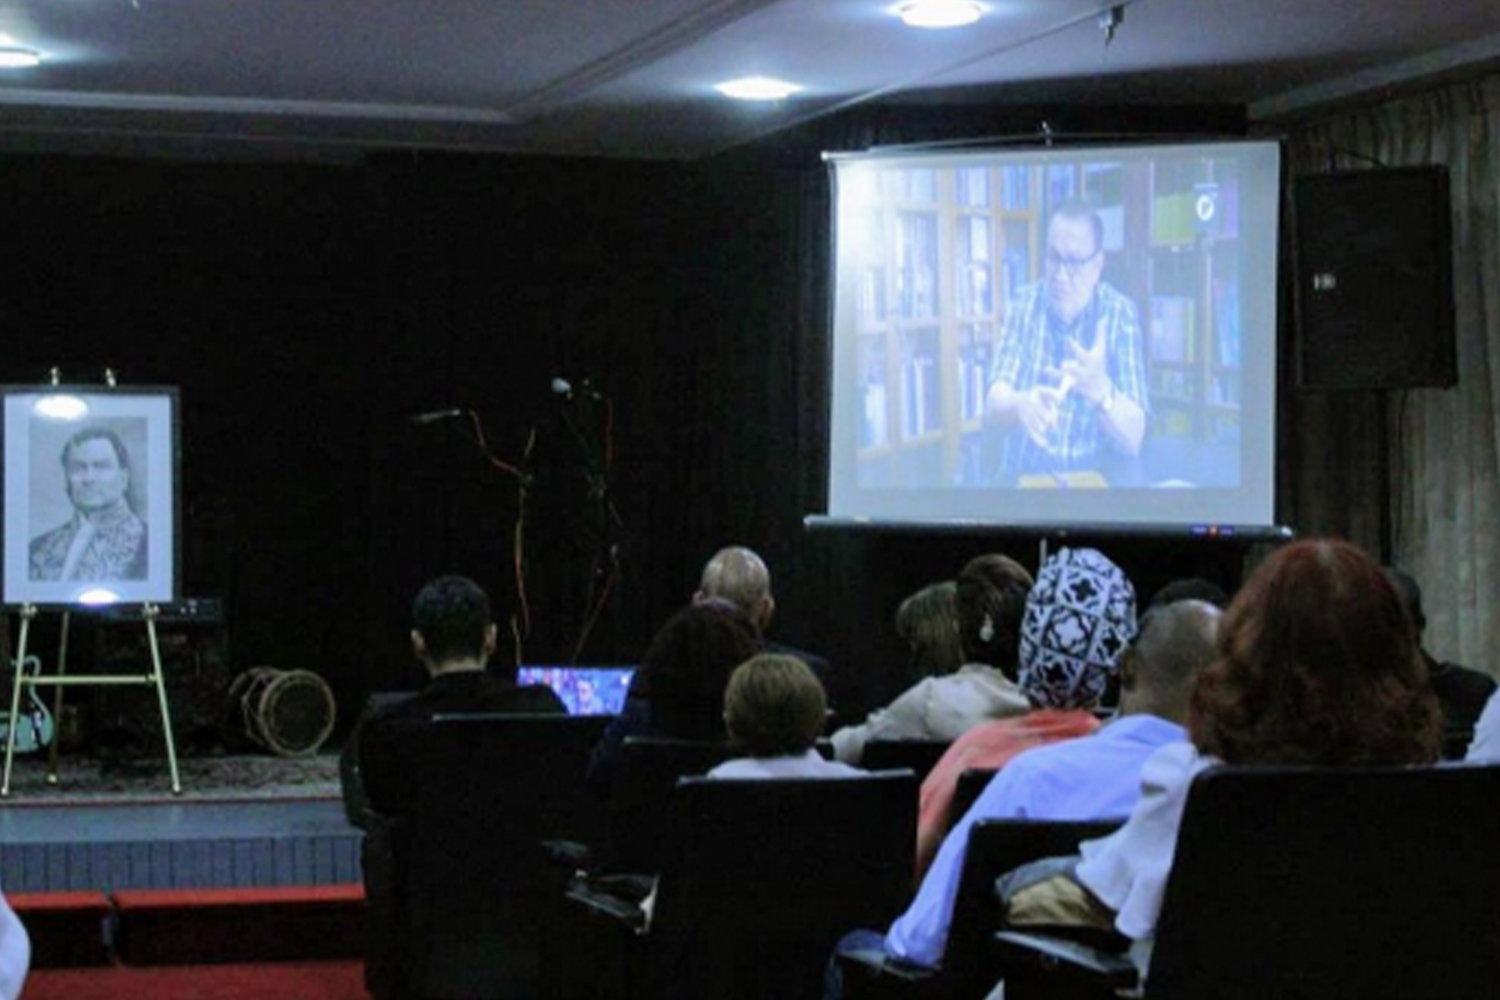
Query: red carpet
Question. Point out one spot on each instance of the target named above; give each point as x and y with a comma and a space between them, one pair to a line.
344, 980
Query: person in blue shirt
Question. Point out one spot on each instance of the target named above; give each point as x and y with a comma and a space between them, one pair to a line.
1095, 777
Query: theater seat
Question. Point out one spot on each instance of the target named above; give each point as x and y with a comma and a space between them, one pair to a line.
763, 879
459, 889
968, 972
1305, 884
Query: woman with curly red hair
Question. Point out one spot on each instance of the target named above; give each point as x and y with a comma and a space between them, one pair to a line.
1317, 665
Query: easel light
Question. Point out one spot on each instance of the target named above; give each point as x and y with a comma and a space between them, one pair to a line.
61, 406
98, 596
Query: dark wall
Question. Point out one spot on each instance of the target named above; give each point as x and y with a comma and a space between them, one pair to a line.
307, 312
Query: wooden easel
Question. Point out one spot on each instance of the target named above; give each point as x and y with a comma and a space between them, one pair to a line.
21, 681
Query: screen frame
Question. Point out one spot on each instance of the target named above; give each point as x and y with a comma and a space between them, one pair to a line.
1250, 507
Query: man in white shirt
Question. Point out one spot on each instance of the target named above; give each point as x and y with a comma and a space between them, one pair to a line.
1096, 777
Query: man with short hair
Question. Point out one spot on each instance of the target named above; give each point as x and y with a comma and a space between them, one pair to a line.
738, 575
1068, 382
104, 539
1094, 777
453, 635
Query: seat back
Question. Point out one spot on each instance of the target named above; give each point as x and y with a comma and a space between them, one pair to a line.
971, 784
1311, 883
921, 756
770, 875
468, 881
997, 846
640, 817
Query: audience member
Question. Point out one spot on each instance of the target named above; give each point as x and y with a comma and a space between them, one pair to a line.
740, 576
1079, 618
989, 600
1486, 744
1193, 588
678, 692
453, 635
1094, 778
1316, 664
929, 624
1461, 692
774, 710
15, 952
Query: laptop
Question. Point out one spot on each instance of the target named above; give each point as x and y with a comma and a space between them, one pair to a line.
585, 690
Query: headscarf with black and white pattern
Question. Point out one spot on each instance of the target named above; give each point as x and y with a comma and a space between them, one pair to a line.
1079, 618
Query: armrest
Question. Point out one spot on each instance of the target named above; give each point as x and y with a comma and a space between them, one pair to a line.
874, 975
600, 901
1114, 971
569, 854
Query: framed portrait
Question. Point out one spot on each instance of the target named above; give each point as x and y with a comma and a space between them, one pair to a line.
91, 495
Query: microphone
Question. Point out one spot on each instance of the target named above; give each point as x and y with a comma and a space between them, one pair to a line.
562, 387
433, 416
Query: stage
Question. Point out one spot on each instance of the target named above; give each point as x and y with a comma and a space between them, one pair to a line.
242, 822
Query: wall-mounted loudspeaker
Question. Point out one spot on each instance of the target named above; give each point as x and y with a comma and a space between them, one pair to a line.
1374, 279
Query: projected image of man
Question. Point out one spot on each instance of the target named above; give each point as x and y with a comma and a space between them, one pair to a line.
1068, 381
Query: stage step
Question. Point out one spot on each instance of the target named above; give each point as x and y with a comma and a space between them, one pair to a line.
193, 927
67, 929
198, 927
186, 845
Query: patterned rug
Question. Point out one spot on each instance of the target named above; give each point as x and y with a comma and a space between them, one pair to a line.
246, 777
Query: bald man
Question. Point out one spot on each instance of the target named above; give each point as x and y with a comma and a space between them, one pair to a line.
738, 575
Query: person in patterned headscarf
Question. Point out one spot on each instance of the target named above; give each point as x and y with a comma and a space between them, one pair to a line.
1079, 618
104, 539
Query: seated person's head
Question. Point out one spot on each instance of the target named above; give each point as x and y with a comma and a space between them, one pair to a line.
1411, 598
1158, 670
774, 706
738, 575
1079, 619
1316, 664
451, 624
1190, 589
988, 602
687, 665
926, 620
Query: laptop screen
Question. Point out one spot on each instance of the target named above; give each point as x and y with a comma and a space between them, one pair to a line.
585, 690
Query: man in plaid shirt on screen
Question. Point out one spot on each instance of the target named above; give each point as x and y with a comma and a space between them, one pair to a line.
1068, 381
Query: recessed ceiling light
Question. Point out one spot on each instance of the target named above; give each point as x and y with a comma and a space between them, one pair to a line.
18, 57
940, 13
757, 88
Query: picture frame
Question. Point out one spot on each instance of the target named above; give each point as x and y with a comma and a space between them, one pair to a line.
92, 495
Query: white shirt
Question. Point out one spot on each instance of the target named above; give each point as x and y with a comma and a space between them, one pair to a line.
937, 708
808, 765
15, 952
1128, 869
1486, 745
1095, 777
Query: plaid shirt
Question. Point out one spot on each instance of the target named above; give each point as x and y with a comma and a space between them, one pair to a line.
1032, 340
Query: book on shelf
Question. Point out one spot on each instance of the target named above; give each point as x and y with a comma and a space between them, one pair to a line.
1015, 186
1172, 219
1062, 182
1172, 329
972, 368
874, 424
1227, 320
919, 392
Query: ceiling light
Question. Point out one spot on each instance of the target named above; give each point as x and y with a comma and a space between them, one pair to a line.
757, 88
940, 13
18, 57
